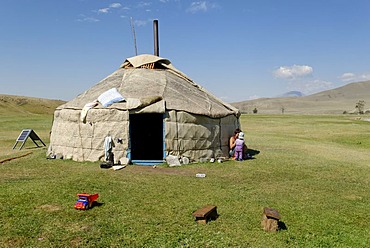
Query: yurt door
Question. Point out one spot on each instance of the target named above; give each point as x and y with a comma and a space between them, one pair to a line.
146, 137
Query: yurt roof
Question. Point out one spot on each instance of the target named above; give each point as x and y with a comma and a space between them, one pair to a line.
151, 79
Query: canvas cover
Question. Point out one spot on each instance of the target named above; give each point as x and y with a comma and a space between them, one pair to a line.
196, 123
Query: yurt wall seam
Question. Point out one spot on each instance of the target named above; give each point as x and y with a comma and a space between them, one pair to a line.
126, 74
180, 94
93, 135
219, 133
81, 145
177, 134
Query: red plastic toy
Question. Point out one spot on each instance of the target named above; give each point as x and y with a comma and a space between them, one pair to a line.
85, 201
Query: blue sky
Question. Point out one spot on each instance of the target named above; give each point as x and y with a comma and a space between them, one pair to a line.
238, 50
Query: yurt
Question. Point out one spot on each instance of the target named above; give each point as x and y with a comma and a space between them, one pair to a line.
149, 110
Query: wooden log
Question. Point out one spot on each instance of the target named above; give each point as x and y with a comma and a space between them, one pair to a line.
9, 159
203, 215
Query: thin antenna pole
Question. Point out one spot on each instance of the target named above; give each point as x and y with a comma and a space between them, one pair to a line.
134, 35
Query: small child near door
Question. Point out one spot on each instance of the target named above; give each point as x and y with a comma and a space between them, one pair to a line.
239, 145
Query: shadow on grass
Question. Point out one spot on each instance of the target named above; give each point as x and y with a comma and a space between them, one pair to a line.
31, 147
214, 217
252, 152
282, 226
97, 204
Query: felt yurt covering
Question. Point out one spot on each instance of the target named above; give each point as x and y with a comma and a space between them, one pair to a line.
190, 122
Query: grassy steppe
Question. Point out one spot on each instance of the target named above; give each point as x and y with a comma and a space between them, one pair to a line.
314, 169
20, 112
334, 101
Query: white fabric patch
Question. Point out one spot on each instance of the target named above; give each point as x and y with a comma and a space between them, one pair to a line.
109, 97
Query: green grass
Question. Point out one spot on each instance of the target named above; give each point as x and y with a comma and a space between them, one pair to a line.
11, 126
315, 170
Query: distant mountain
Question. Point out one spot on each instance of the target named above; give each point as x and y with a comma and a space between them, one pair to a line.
292, 94
334, 101
10, 104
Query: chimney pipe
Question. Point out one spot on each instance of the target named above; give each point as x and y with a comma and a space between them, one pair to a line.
156, 39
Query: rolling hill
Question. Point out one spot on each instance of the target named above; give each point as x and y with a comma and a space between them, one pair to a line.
334, 101
10, 104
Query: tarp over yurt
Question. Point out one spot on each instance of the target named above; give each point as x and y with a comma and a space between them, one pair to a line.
160, 111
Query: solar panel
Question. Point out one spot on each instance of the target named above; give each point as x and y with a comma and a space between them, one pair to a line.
24, 135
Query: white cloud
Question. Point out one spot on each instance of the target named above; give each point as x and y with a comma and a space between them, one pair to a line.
300, 78
253, 97
317, 85
141, 23
111, 6
115, 5
293, 72
87, 19
364, 77
198, 6
348, 76
107, 10
309, 87
352, 77
143, 4
104, 10
201, 6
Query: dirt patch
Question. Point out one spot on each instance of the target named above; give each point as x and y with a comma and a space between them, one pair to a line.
77, 242
77, 227
14, 242
161, 170
353, 197
50, 208
21, 101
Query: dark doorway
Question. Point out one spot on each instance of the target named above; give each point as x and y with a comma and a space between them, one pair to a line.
146, 135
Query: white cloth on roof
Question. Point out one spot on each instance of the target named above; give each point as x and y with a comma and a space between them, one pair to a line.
109, 97
86, 109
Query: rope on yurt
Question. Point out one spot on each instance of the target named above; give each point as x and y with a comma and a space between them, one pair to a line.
220, 133
79, 136
92, 135
177, 134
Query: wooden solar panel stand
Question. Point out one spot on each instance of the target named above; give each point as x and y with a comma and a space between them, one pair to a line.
23, 136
